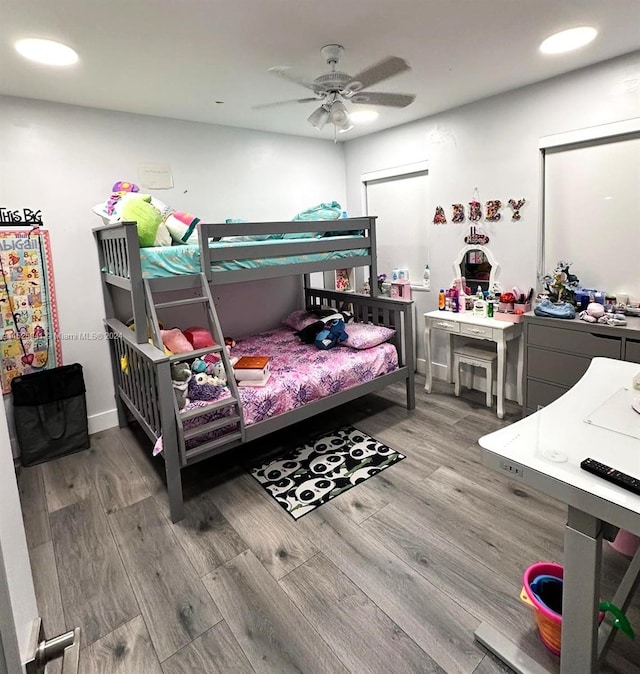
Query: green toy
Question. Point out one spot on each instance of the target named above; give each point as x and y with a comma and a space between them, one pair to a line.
152, 230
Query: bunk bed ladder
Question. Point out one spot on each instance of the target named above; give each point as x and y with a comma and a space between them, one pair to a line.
229, 428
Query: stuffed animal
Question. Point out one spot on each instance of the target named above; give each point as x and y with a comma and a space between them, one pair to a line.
592, 313
180, 378
308, 334
219, 373
205, 364
176, 226
201, 388
151, 228
332, 334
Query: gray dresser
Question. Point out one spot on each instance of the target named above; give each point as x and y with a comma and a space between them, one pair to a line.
558, 353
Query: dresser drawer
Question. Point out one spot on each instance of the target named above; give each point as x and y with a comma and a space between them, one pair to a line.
575, 341
444, 324
477, 331
540, 393
563, 369
632, 351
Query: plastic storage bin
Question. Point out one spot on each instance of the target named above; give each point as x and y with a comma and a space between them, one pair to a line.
542, 590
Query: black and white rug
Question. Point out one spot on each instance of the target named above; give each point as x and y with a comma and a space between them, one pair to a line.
308, 476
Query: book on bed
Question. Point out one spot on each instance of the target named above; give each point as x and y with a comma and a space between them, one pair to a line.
252, 368
255, 382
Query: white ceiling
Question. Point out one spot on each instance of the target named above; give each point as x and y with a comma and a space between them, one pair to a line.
176, 58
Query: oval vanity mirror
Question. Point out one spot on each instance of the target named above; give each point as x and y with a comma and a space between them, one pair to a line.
477, 266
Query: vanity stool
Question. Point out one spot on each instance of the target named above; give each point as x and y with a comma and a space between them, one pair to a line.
476, 355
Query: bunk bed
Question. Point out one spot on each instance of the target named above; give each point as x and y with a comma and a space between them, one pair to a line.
146, 277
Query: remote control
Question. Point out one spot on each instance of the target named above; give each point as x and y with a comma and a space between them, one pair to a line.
611, 475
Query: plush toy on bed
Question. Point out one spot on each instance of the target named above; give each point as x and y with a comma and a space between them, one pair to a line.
204, 387
180, 378
308, 334
151, 228
332, 334
178, 227
326, 332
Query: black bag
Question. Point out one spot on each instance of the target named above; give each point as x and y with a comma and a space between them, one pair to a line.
50, 413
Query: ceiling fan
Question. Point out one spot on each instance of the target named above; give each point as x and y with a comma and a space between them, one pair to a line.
335, 87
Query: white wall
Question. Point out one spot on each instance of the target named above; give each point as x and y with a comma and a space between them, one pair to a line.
493, 145
64, 160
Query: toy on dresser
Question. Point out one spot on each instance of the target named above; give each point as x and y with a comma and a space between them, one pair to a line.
595, 313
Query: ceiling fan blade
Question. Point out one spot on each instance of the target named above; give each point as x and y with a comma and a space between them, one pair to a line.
379, 98
393, 65
277, 103
283, 73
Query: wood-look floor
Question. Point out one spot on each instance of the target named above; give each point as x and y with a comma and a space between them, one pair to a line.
393, 576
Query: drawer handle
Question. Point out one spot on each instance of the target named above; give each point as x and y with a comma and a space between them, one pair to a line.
444, 325
610, 337
477, 331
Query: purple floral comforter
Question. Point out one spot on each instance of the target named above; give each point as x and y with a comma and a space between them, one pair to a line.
300, 374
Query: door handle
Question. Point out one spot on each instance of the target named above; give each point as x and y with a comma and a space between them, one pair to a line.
66, 645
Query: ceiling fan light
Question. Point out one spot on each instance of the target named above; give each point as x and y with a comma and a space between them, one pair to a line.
339, 114
319, 117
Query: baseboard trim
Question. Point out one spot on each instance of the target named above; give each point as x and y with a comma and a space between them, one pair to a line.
102, 421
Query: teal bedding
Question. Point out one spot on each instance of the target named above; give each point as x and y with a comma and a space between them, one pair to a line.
168, 261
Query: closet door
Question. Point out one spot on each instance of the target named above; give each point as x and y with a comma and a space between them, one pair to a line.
18, 609
19, 621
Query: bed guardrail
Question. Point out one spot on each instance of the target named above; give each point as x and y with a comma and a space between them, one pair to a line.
119, 256
355, 234
391, 312
136, 369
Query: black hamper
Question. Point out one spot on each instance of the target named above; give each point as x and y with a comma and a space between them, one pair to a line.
50, 413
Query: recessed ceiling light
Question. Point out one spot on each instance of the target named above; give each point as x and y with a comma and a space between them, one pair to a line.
360, 116
567, 40
46, 51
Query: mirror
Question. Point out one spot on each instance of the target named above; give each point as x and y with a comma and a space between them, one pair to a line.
478, 267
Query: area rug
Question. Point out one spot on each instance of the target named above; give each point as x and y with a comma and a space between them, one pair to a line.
308, 476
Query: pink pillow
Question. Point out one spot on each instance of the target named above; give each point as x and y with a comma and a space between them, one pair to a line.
299, 319
366, 335
175, 341
199, 338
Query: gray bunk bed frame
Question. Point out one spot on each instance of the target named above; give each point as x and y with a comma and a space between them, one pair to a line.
145, 390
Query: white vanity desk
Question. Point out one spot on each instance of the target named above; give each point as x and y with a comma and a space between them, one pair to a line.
467, 325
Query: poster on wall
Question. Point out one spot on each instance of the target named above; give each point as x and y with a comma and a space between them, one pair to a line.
29, 334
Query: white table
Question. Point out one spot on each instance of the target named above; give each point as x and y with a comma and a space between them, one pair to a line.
593, 419
465, 324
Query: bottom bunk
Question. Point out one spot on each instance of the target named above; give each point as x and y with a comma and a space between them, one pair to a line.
304, 381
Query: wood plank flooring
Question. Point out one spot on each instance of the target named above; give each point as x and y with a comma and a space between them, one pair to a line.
393, 576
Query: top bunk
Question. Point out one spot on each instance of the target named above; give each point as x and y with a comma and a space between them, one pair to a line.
254, 251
